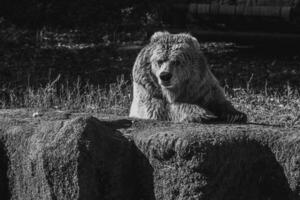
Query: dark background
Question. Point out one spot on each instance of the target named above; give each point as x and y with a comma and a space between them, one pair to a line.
76, 13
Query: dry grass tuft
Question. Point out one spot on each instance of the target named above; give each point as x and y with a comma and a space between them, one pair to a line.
273, 108
76, 96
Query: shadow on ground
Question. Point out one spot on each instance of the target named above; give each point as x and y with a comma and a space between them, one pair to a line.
261, 67
36, 66
37, 62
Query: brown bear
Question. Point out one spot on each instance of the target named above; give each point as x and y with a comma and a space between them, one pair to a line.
171, 81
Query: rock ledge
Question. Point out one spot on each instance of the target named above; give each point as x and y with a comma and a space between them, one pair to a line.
76, 156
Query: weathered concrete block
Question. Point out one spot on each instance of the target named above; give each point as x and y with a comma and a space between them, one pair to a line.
64, 159
221, 162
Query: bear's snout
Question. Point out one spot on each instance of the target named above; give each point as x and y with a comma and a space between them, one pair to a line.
165, 76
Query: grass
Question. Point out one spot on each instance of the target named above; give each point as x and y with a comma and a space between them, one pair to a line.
278, 109
266, 107
77, 96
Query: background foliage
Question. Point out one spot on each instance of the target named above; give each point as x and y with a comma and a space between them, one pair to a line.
75, 13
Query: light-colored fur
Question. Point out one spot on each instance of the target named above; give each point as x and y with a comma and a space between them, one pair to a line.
192, 94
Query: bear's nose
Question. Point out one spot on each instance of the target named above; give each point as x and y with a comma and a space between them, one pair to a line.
165, 76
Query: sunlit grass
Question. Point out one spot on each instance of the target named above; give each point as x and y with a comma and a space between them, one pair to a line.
76, 96
264, 107
273, 108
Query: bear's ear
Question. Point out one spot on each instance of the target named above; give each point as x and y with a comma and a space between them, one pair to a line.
158, 35
192, 39
195, 42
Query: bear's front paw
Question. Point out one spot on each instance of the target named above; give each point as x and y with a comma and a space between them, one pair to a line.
204, 118
234, 117
191, 119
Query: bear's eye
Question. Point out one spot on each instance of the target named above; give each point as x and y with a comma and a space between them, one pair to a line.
176, 62
160, 62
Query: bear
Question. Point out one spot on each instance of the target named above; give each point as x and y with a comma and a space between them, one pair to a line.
172, 82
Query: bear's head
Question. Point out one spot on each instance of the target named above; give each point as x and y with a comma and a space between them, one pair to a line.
177, 63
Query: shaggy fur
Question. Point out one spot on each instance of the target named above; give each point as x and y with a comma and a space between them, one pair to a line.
171, 81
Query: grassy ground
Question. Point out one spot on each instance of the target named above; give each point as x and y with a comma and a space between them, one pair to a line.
87, 72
